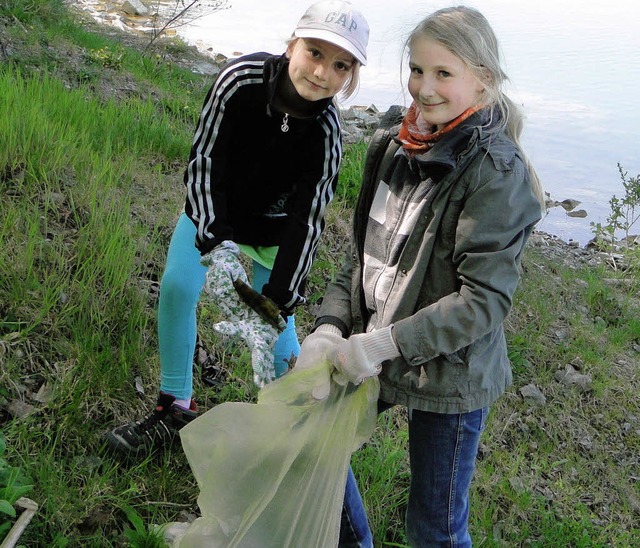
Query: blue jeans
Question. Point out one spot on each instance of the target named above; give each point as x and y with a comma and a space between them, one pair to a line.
442, 456
180, 288
354, 527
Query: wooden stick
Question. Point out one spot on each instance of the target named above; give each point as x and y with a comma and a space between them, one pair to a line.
30, 508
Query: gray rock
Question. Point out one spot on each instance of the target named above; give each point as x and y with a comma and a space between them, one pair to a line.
135, 7
571, 377
532, 394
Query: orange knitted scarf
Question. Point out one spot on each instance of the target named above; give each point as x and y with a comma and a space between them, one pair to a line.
415, 140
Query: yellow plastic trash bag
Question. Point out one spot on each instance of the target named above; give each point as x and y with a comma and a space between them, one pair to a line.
273, 474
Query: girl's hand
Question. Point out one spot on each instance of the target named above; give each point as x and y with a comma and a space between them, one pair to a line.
361, 356
242, 321
317, 348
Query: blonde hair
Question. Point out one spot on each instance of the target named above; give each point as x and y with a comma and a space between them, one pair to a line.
466, 33
353, 83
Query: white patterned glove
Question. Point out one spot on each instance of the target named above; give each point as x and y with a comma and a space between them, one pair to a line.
223, 268
242, 321
360, 356
315, 348
260, 338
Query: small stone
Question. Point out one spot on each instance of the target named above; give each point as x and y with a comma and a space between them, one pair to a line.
139, 386
532, 394
20, 409
570, 377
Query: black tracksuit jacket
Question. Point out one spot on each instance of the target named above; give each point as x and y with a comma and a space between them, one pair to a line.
251, 182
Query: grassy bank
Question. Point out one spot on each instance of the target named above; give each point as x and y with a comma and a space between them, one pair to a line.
94, 137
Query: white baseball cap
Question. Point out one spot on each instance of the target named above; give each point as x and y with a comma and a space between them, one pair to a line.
336, 22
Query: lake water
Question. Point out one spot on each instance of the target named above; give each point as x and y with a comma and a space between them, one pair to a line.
574, 66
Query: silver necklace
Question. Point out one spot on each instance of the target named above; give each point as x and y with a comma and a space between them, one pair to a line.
285, 123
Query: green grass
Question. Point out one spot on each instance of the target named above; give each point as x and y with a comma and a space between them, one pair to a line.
351, 174
92, 184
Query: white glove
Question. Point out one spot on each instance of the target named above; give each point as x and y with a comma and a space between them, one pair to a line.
360, 356
315, 348
318, 346
223, 268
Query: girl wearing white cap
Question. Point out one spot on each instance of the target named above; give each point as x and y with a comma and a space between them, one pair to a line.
262, 170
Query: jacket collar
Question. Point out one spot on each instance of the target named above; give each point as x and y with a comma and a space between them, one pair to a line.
275, 68
445, 154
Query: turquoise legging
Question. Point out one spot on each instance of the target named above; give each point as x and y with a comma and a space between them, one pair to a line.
180, 289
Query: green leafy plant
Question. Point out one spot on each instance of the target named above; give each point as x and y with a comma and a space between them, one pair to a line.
141, 536
625, 212
13, 485
107, 57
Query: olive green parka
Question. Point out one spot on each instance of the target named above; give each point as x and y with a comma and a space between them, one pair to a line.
456, 276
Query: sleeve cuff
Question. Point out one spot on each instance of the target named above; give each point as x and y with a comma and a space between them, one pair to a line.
329, 328
380, 346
